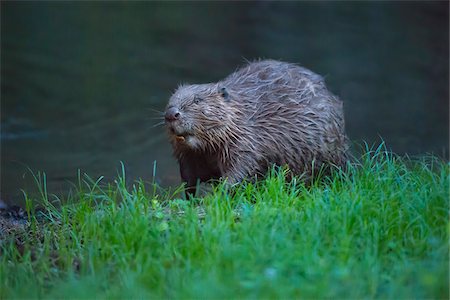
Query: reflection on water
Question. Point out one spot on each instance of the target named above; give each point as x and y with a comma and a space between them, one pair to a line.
82, 82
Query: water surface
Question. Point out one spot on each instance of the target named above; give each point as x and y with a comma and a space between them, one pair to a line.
81, 81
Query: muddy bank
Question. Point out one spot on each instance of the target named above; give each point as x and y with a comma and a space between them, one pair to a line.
14, 226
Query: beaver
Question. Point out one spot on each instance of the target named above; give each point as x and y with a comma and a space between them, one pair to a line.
266, 113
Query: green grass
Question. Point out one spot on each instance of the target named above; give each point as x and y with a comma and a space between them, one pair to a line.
380, 230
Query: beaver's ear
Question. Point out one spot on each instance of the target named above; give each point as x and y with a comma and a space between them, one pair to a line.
224, 93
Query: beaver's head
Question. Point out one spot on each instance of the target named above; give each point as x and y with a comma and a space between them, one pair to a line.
197, 116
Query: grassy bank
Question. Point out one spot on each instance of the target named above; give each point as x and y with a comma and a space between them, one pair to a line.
378, 231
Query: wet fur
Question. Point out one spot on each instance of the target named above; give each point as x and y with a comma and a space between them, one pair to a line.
268, 112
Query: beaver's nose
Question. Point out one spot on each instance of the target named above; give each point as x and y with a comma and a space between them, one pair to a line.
172, 114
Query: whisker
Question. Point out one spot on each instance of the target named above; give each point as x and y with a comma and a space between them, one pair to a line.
158, 124
155, 110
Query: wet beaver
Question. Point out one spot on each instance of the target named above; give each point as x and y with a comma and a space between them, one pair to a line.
268, 112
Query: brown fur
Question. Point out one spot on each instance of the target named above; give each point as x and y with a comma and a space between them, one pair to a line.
268, 112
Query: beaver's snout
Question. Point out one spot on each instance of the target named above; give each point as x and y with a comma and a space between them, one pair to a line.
172, 114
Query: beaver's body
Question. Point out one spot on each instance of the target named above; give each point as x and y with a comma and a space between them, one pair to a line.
268, 112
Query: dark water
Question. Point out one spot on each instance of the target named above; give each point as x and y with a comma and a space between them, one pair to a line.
80, 81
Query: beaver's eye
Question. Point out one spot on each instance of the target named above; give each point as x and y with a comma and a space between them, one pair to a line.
197, 99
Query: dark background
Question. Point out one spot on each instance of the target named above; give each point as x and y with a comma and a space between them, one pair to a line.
80, 80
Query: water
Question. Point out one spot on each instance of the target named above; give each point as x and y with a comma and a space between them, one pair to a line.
81, 83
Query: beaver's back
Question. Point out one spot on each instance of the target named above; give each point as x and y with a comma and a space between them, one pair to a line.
271, 80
